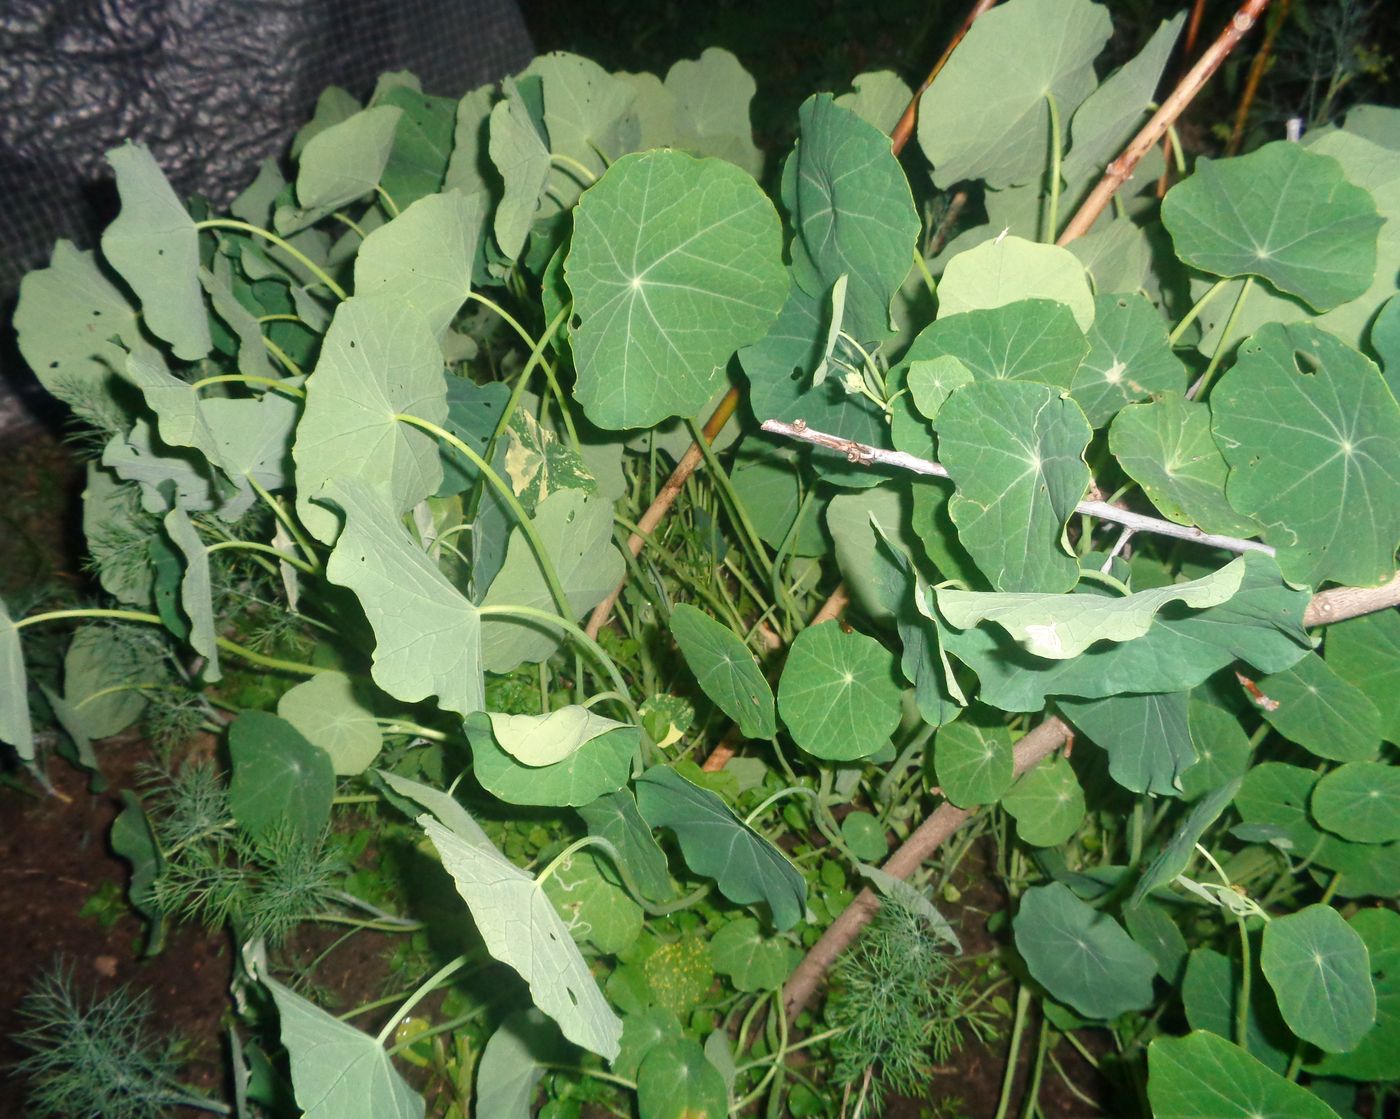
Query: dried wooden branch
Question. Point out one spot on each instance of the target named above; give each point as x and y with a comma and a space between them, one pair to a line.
867, 455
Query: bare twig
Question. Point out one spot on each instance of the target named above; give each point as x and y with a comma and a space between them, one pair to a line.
1327, 606
1256, 73
1121, 169
1101, 510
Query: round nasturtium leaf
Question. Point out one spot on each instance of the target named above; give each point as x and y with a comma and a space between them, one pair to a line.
1282, 212
1378, 1055
675, 263
838, 694
680, 974
676, 1081
1314, 707
1298, 394
1359, 801
753, 962
1046, 803
1321, 975
1203, 1074
279, 778
865, 836
726, 670
1081, 956
973, 762
329, 713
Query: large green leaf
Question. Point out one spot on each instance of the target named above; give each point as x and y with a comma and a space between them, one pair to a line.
337, 1071
427, 635
329, 711
713, 93
718, 845
614, 817
424, 257
1029, 340
1147, 738
519, 153
725, 670
1129, 358
74, 326
1015, 451
674, 264
594, 907
1047, 804
340, 164
1222, 749
466, 167
1059, 626
1082, 957
102, 675
154, 246
1321, 975
1282, 212
196, 589
379, 359
1109, 116
1378, 1055
15, 727
852, 214
1312, 436
986, 114
1202, 1074
1010, 269
1365, 652
1314, 707
601, 765
523, 930
576, 531
1360, 801
1166, 447
753, 962
973, 760
838, 694
279, 779
677, 1081
514, 1061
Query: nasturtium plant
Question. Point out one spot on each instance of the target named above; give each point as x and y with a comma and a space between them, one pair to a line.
616, 559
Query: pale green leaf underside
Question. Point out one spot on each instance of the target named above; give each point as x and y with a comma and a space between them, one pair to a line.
985, 116
522, 929
878, 97
1009, 269
522, 159
427, 635
337, 1071
1321, 975
719, 845
540, 740
379, 359
1282, 212
725, 670
1058, 626
661, 246
1166, 447
1015, 452
329, 713
196, 589
340, 164
513, 1063
154, 246
713, 93
1311, 434
15, 727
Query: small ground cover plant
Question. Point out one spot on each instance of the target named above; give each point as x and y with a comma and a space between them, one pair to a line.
394, 489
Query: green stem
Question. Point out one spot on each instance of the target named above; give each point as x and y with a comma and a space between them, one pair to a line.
537, 357
596, 1074
349, 223
755, 544
262, 661
428, 986
586, 177
389, 204
779, 795
271, 382
922, 264
1052, 218
1032, 1097
265, 549
527, 526
1246, 967
278, 318
441, 1028
573, 630
286, 246
1295, 1062
281, 355
1196, 308
1023, 1002
1198, 390
398, 726
287, 522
